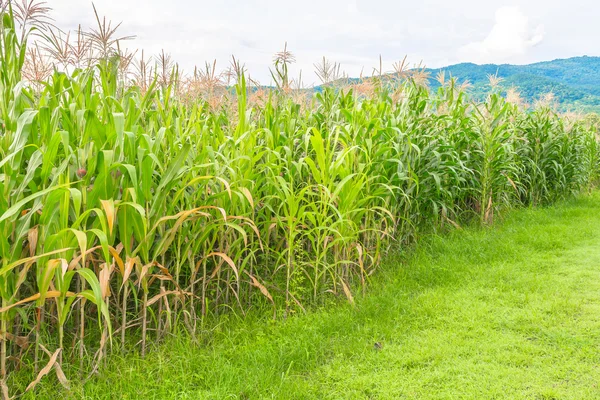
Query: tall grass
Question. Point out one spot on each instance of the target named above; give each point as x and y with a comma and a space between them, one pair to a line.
133, 210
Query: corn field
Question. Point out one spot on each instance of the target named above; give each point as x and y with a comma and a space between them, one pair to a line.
135, 208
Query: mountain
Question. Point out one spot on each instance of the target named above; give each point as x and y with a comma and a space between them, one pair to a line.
575, 82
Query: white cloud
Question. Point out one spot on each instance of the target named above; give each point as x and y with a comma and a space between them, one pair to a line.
353, 7
511, 37
353, 32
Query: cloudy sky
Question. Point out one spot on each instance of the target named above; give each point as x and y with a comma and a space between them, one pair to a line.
351, 32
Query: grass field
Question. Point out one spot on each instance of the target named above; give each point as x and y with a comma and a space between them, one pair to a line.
508, 312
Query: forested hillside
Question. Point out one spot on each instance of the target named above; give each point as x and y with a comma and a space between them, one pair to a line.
575, 82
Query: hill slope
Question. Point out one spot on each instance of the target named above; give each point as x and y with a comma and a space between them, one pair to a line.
575, 82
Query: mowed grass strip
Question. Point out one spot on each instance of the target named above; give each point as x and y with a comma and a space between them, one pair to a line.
509, 312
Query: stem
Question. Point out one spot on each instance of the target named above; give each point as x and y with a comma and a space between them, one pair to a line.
159, 328
144, 321
40, 316
124, 316
203, 306
61, 335
3, 337
288, 273
81, 325
192, 310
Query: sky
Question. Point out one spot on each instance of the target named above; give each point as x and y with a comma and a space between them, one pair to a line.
353, 33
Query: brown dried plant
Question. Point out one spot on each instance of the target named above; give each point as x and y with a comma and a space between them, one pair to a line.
32, 14
208, 77
513, 96
234, 72
58, 47
494, 81
364, 88
441, 77
164, 67
81, 50
142, 73
378, 71
125, 61
464, 86
281, 61
420, 77
37, 68
207, 84
285, 56
546, 100
257, 94
104, 38
299, 94
328, 72
400, 69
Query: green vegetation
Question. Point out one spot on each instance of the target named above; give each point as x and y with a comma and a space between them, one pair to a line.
137, 206
503, 313
572, 80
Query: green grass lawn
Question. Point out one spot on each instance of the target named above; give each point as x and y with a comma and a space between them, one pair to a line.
509, 312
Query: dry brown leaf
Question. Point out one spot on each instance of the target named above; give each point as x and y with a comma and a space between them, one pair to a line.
115, 253
227, 259
261, 287
104, 279
489, 211
109, 211
347, 292
51, 294
131, 262
247, 195
5, 393
32, 238
61, 376
166, 293
21, 341
44, 370
77, 259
